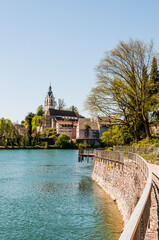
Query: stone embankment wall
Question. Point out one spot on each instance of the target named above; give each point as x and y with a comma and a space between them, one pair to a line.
124, 185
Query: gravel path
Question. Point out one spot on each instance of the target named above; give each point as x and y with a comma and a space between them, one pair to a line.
153, 232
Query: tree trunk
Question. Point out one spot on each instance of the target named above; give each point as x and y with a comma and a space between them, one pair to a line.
136, 134
147, 129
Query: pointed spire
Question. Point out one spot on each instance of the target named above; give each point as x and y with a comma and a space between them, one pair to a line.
50, 88
49, 100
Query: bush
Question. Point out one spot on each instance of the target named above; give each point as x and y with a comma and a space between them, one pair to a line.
109, 149
63, 141
117, 135
84, 145
153, 142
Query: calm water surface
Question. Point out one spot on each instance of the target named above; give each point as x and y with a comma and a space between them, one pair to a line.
47, 194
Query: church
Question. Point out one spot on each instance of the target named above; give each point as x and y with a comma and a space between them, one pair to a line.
64, 121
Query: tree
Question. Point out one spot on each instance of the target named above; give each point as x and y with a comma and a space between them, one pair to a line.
117, 135
73, 109
61, 104
122, 90
40, 111
8, 133
62, 141
36, 121
154, 91
28, 121
49, 133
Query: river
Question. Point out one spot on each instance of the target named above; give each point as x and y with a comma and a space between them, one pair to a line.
48, 195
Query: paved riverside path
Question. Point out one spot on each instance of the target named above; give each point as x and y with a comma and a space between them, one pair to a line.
153, 232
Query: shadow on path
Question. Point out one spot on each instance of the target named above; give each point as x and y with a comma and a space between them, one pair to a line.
156, 191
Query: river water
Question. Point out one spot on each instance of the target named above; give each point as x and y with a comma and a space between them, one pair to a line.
48, 195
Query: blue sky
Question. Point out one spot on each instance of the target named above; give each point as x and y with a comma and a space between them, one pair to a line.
61, 42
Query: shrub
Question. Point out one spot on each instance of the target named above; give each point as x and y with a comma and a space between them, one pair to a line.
63, 141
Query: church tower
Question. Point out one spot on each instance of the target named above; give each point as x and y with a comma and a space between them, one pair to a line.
49, 100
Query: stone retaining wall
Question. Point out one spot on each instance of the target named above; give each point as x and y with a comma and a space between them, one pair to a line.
124, 186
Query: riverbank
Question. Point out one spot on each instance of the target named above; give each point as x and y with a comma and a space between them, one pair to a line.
124, 186
31, 147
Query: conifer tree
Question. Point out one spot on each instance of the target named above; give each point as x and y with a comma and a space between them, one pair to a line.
154, 91
154, 77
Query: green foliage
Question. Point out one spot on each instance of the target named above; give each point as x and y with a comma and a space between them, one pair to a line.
154, 77
117, 135
154, 91
40, 111
49, 133
63, 141
153, 142
151, 158
8, 134
5, 125
124, 86
109, 149
73, 109
36, 121
35, 139
84, 145
28, 121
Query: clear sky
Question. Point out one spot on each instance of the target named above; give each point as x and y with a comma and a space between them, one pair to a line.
61, 41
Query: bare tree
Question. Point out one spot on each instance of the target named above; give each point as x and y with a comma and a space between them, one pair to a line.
61, 104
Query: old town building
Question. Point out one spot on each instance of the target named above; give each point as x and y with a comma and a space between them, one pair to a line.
63, 120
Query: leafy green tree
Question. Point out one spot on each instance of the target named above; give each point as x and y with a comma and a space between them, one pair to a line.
36, 121
28, 121
35, 139
23, 141
84, 145
40, 111
62, 141
5, 125
73, 108
49, 133
154, 91
123, 85
117, 135
154, 77
8, 133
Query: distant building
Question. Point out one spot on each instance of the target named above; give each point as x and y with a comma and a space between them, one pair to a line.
86, 129
104, 123
69, 128
70, 123
62, 120
22, 130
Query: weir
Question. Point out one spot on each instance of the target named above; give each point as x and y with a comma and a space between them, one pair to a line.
120, 176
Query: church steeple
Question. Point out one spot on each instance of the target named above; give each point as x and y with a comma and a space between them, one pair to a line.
49, 100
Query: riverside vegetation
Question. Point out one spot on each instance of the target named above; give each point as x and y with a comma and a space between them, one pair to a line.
48, 138
126, 91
